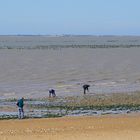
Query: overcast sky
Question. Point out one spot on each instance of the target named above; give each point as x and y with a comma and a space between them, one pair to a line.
86, 17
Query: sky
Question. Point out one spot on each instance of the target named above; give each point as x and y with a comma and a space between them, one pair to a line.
77, 17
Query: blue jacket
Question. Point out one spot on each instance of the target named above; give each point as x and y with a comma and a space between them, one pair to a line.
20, 103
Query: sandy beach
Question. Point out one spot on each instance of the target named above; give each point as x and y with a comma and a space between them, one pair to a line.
116, 127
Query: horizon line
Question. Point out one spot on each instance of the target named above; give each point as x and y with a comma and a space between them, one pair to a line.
63, 35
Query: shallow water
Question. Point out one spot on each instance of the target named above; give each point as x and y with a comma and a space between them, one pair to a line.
30, 73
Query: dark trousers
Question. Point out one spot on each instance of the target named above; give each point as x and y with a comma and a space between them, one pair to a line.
85, 89
21, 113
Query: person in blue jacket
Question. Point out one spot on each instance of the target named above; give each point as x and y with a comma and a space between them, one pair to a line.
20, 105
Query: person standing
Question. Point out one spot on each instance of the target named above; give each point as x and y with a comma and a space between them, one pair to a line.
20, 105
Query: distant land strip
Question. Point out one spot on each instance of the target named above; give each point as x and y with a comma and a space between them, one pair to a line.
68, 46
68, 41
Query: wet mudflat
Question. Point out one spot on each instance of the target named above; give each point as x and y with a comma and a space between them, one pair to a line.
31, 73
87, 105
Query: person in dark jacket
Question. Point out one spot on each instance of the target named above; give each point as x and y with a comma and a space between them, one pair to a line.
86, 88
52, 93
20, 105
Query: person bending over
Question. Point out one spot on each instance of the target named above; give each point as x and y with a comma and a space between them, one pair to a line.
86, 88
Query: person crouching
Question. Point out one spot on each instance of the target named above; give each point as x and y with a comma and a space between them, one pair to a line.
52, 93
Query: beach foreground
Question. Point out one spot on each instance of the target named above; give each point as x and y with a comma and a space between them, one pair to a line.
116, 127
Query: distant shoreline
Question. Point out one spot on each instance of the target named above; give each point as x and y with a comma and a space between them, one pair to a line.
67, 41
